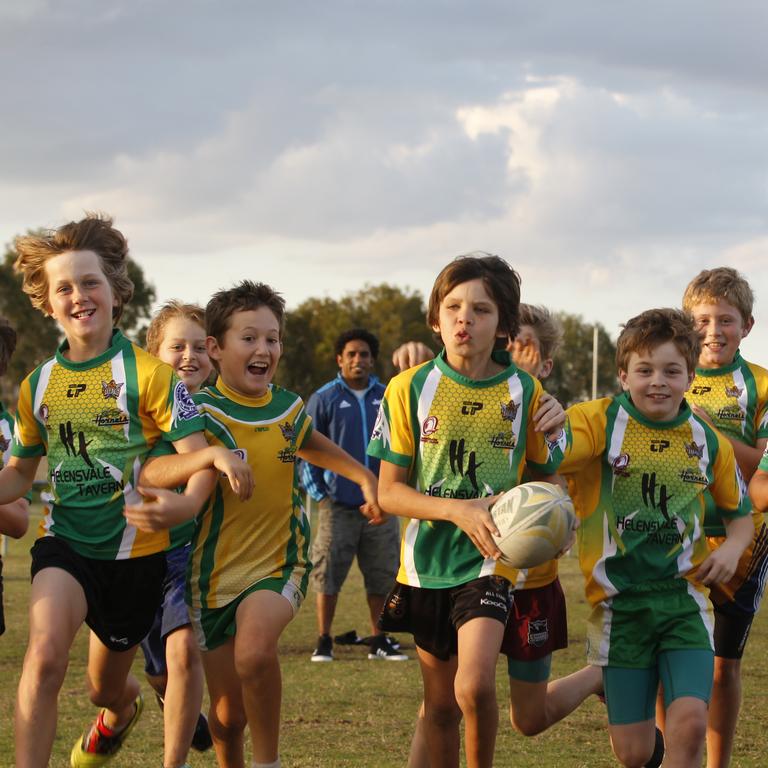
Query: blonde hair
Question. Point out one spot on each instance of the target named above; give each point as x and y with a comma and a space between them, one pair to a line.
720, 283
545, 325
93, 233
170, 311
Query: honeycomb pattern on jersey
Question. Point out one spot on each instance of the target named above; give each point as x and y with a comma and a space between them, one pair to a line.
474, 437
720, 397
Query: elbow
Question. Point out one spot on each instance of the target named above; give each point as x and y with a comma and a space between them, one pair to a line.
18, 522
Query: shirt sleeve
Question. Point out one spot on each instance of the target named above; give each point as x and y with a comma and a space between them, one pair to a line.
542, 454
28, 436
584, 436
171, 407
728, 488
392, 438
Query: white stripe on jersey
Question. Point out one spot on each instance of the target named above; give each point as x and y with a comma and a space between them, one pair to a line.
118, 375
409, 541
743, 400
516, 395
42, 385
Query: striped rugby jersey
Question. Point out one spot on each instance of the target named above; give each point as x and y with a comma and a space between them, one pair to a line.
237, 543
459, 438
638, 488
96, 422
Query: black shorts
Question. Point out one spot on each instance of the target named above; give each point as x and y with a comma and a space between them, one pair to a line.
122, 595
434, 616
731, 630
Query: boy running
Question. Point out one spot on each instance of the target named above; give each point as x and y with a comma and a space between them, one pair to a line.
249, 567
94, 410
450, 434
730, 394
639, 466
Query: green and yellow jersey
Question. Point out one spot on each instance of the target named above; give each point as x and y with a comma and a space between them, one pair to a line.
638, 487
96, 422
6, 435
237, 543
463, 439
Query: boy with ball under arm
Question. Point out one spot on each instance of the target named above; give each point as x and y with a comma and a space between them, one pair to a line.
451, 434
639, 466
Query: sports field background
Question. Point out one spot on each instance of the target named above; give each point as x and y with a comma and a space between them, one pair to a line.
355, 713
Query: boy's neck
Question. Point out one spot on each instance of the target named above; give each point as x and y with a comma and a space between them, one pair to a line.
704, 366
477, 367
82, 350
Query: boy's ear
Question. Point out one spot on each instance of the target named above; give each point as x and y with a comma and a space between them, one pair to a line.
212, 347
546, 368
747, 327
623, 380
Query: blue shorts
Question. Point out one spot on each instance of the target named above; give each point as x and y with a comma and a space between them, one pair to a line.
171, 615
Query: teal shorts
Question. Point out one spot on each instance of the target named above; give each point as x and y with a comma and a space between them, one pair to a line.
630, 694
631, 629
537, 671
214, 626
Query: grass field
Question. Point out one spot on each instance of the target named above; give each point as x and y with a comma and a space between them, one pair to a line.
356, 713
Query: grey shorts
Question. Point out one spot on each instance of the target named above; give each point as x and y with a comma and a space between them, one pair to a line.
343, 532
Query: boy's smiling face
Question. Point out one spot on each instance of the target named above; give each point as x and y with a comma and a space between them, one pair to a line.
81, 300
183, 347
657, 380
721, 328
468, 323
250, 351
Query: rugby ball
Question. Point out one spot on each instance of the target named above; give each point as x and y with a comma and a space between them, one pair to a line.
535, 521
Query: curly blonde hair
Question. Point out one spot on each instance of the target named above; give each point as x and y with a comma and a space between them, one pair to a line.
170, 311
93, 233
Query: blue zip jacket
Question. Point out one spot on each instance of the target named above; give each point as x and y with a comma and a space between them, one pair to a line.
348, 421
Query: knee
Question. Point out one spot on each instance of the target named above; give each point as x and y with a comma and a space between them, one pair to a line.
226, 719
255, 661
474, 692
46, 665
182, 655
632, 754
528, 723
690, 729
442, 714
727, 672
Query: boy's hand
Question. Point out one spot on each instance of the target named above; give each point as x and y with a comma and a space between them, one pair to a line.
161, 509
720, 566
571, 539
474, 518
411, 353
549, 417
238, 472
702, 414
526, 355
371, 508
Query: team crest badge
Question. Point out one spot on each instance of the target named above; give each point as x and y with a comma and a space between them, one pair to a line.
733, 391
288, 432
509, 410
694, 451
538, 632
620, 465
429, 426
185, 405
111, 389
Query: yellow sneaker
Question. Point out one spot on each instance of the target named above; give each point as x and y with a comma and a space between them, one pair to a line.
94, 748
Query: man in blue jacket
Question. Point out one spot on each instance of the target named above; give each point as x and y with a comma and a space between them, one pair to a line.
345, 411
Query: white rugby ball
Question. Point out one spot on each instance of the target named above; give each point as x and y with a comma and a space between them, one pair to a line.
535, 521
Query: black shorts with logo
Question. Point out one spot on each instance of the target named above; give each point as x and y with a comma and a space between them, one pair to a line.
434, 616
122, 595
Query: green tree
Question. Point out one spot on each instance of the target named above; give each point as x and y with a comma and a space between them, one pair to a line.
392, 314
571, 378
38, 335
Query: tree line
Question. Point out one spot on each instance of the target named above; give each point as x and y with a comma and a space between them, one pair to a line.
393, 314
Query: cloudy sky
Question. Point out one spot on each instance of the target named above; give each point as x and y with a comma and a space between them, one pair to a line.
608, 150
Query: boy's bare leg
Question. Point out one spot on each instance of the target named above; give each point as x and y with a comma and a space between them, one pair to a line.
110, 683
261, 618
226, 718
687, 726
534, 707
57, 608
418, 757
475, 685
441, 710
633, 744
723, 711
183, 695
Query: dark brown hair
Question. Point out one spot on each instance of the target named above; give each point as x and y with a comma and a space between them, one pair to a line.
654, 327
240, 298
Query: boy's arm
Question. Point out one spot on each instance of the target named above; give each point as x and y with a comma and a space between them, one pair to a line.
758, 489
14, 518
322, 452
16, 478
721, 564
471, 515
193, 454
164, 509
549, 417
411, 353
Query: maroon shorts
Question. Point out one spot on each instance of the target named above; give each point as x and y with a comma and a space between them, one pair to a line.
537, 623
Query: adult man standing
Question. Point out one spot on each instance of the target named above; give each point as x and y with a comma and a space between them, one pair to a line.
345, 410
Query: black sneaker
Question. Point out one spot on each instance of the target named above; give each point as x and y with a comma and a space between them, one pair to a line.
393, 641
324, 650
382, 648
658, 751
201, 738
349, 638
